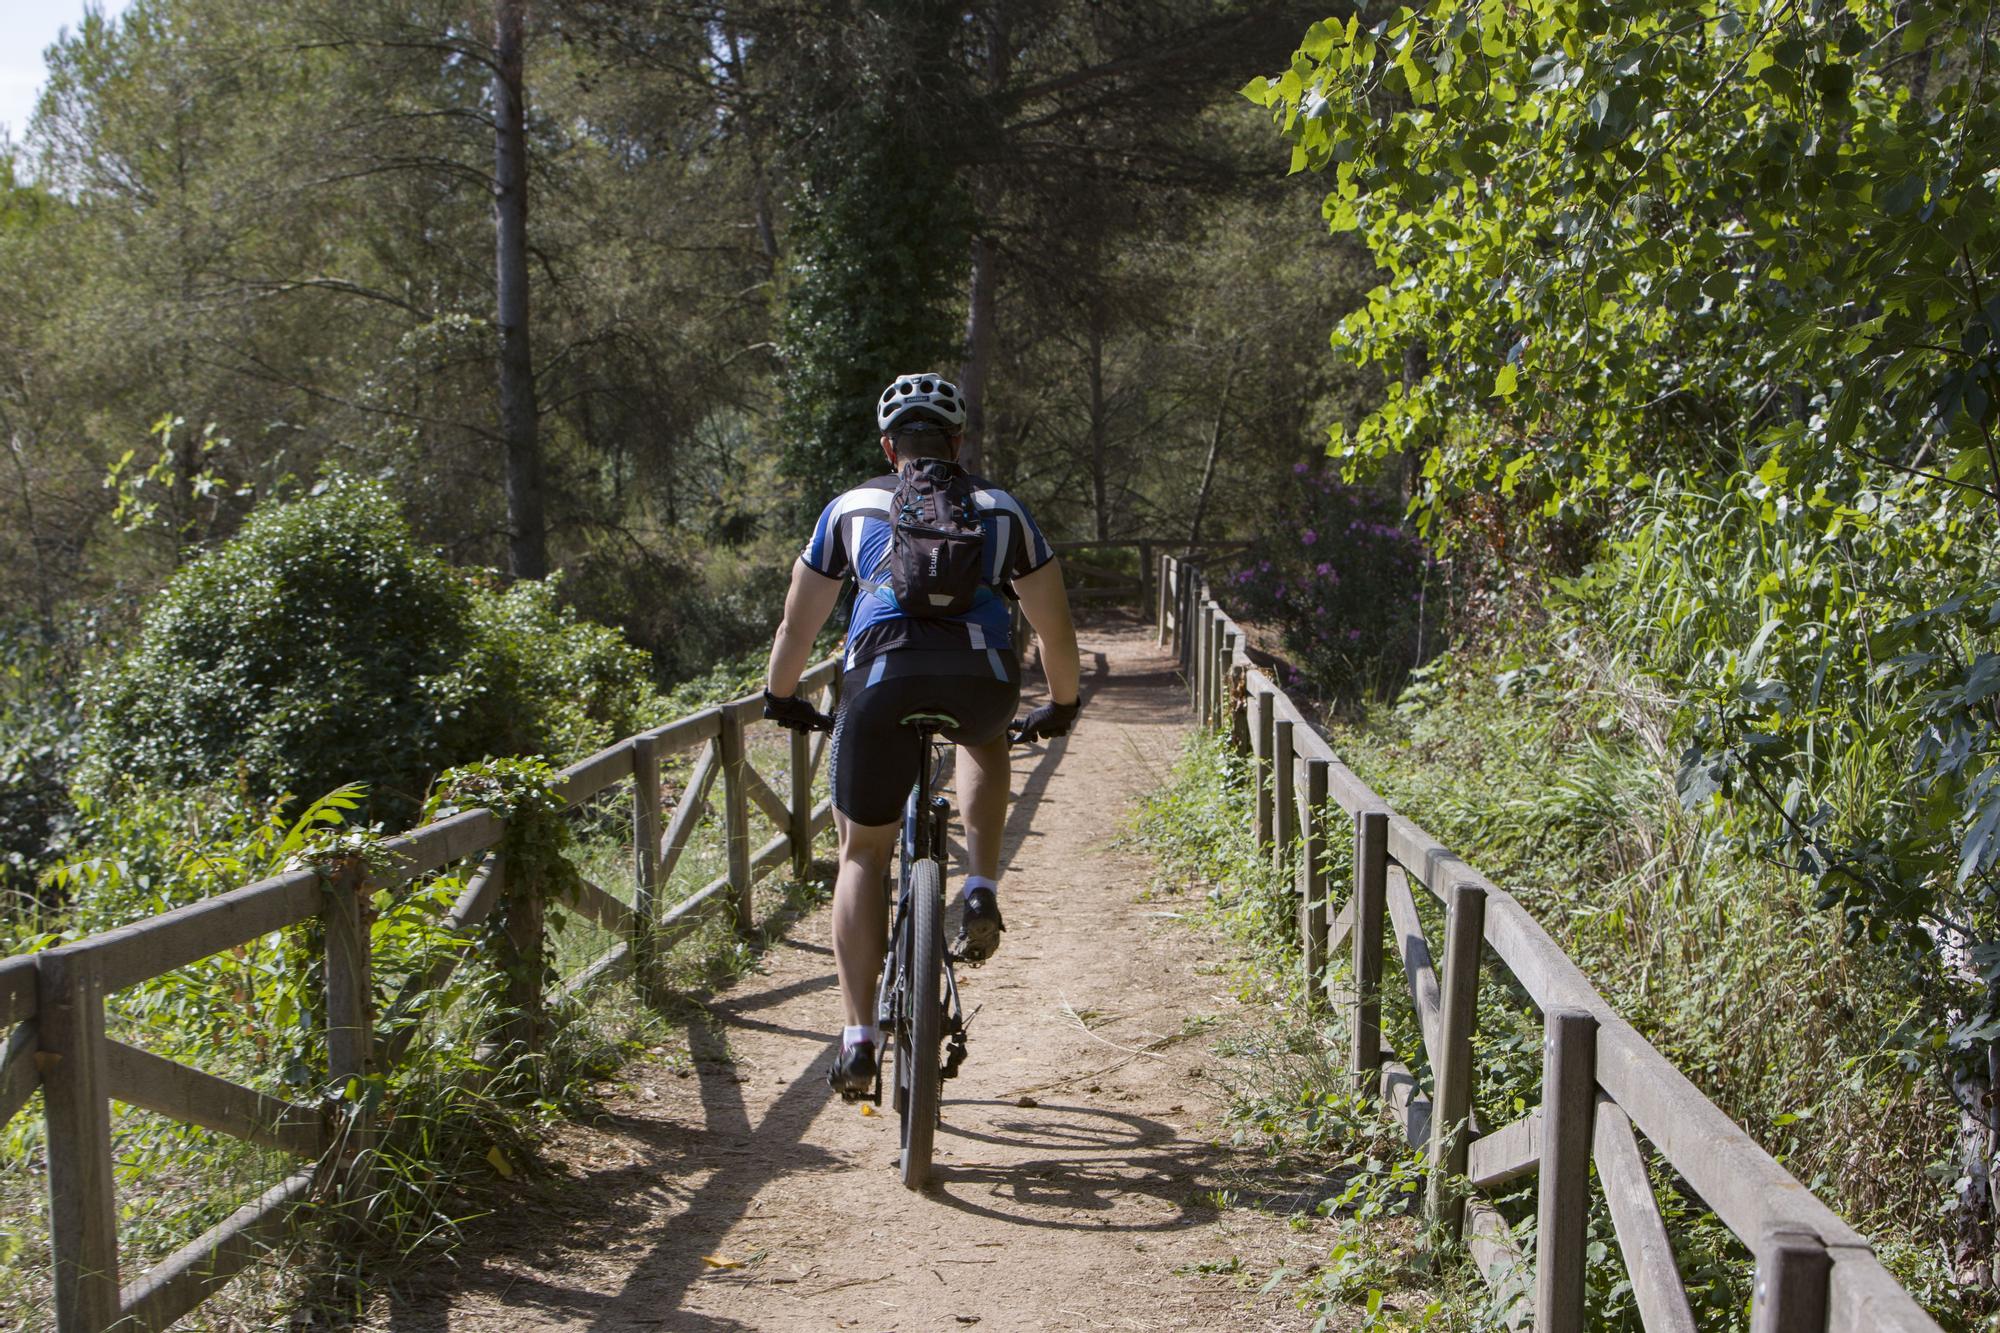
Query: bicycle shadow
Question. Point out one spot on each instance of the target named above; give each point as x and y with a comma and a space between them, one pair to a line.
1087, 1164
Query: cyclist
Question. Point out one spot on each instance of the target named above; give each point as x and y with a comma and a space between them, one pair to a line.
898, 663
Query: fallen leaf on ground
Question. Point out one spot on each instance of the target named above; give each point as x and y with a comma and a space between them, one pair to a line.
866, 1109
717, 1261
498, 1161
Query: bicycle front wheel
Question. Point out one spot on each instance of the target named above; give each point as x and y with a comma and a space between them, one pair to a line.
918, 1038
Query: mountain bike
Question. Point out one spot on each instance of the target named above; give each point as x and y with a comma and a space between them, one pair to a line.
917, 1001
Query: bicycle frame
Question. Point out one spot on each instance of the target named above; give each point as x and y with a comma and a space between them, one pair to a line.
926, 821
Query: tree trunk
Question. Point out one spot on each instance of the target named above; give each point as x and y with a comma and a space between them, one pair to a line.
1214, 448
760, 189
527, 545
1099, 463
1972, 1207
976, 370
1416, 364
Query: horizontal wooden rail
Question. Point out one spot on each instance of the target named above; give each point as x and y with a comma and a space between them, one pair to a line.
1508, 1153
586, 778
187, 1277
436, 845
1637, 1090
18, 1076
52, 1004
142, 1079
17, 990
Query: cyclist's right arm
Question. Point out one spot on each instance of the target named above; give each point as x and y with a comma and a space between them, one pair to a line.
1045, 602
808, 603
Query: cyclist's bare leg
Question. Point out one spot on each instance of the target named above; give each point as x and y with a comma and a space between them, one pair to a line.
985, 773
860, 916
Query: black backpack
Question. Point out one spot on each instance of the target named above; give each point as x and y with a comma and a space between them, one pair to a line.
937, 550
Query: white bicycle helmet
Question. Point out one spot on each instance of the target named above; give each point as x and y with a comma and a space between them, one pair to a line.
925, 391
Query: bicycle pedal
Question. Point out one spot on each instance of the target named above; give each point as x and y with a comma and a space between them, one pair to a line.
872, 1096
954, 1055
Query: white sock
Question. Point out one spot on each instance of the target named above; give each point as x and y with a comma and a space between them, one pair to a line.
854, 1036
980, 882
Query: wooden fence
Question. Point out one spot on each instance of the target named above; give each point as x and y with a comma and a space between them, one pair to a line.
1604, 1087
54, 1001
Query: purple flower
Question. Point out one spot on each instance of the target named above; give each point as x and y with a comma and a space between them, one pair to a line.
1245, 576
1298, 469
1353, 635
1308, 537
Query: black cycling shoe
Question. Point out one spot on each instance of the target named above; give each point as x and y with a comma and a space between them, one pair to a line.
980, 925
854, 1070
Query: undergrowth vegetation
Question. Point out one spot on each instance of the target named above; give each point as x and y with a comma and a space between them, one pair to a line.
1552, 777
1337, 1157
463, 1113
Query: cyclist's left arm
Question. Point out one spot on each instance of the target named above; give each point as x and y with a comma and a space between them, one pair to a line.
808, 603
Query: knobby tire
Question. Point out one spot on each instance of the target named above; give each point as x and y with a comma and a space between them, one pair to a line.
917, 1054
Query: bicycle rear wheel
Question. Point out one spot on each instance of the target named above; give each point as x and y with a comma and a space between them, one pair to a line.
918, 1038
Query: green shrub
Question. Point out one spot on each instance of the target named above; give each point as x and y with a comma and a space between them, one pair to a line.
40, 732
322, 645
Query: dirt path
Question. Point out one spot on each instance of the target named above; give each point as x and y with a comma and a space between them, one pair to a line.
1077, 1158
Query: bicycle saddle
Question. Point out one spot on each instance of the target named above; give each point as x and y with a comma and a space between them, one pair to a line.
937, 721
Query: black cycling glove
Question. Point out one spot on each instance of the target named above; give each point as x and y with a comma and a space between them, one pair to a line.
795, 714
1047, 722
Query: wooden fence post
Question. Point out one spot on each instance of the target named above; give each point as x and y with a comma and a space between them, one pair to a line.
1205, 647
1211, 653
1312, 880
1194, 648
645, 857
1569, 1107
1185, 631
736, 817
1195, 641
1261, 713
83, 1204
1371, 898
350, 1028
1239, 718
524, 962
1791, 1291
1464, 940
1160, 566
1145, 577
1211, 632
1284, 800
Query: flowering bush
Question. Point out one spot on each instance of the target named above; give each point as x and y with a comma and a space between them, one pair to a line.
1343, 580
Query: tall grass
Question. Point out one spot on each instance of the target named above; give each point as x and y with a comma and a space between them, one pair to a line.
1554, 777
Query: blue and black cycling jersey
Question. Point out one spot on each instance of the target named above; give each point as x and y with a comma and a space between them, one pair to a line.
851, 540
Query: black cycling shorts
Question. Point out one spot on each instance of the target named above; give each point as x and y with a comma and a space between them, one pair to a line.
875, 757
